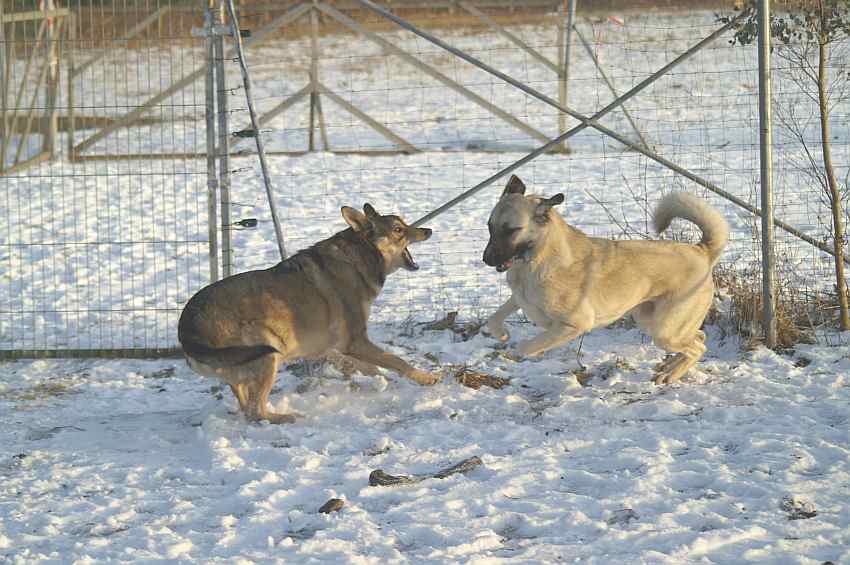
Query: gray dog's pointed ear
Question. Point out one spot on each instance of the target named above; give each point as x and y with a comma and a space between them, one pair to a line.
370, 212
514, 186
356, 219
546, 204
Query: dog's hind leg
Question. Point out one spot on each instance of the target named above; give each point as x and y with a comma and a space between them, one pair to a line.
674, 324
671, 370
676, 358
644, 316
676, 330
241, 395
669, 360
258, 388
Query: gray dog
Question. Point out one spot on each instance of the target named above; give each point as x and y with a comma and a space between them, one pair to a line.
568, 283
314, 304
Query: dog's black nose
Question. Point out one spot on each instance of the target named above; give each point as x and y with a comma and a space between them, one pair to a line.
487, 258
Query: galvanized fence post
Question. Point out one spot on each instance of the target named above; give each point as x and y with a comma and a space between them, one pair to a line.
766, 160
212, 176
223, 150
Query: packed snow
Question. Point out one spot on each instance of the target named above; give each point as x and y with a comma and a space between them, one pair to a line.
745, 461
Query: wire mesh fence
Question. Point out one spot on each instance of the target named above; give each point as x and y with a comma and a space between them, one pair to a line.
703, 115
101, 254
104, 246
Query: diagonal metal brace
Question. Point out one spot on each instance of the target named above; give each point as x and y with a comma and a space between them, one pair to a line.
246, 80
258, 37
566, 135
390, 47
591, 122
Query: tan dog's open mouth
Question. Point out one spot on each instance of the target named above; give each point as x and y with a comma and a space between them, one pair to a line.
502, 267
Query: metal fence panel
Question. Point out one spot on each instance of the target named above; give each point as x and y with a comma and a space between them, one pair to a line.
702, 116
103, 247
99, 255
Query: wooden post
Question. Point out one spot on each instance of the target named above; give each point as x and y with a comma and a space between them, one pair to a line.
51, 119
12, 125
314, 79
71, 50
311, 139
314, 64
4, 90
564, 78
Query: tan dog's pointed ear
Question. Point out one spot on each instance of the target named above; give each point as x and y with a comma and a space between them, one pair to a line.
514, 186
370, 212
356, 219
553, 200
541, 213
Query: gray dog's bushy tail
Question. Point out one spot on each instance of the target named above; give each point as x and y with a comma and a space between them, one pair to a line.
715, 230
225, 356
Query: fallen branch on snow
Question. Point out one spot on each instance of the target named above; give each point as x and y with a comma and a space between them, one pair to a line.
378, 478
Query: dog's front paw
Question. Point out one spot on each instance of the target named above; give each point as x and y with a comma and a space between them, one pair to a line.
275, 418
497, 331
424, 377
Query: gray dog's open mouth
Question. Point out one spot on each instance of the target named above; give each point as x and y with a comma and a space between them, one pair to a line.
409, 263
502, 267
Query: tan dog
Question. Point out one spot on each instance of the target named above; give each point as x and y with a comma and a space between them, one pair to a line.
568, 283
314, 304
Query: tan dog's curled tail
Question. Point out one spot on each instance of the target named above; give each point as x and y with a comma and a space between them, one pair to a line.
715, 230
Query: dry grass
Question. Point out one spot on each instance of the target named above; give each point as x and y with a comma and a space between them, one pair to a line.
798, 313
40, 391
475, 380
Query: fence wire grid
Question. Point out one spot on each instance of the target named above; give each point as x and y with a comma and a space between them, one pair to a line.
100, 254
102, 251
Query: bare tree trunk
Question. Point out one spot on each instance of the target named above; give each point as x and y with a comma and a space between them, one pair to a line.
834, 194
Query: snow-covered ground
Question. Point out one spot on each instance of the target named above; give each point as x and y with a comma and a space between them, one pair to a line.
746, 460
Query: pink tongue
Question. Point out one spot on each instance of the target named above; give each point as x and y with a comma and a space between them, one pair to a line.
507, 264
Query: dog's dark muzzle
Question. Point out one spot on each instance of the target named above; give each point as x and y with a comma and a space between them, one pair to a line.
495, 257
503, 256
